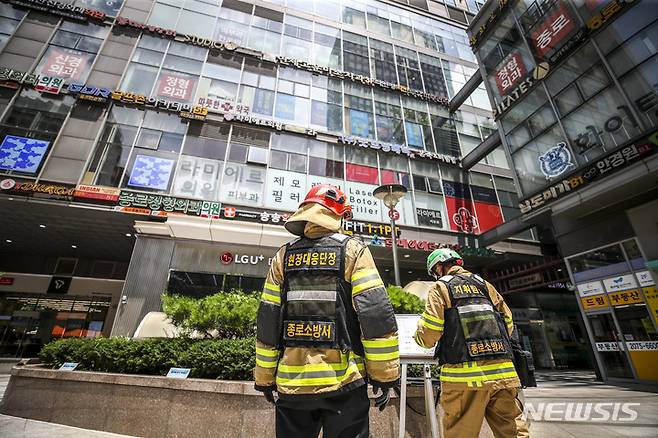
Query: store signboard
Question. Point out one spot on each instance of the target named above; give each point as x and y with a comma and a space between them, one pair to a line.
553, 31
590, 288
97, 192
625, 298
622, 157
62, 9
64, 63
365, 206
609, 346
285, 189
642, 346
143, 203
243, 184
651, 297
37, 190
197, 177
510, 72
177, 86
595, 302
619, 283
151, 172
429, 218
525, 280
22, 154
6, 281
644, 278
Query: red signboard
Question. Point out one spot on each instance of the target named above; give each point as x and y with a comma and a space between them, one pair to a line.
359, 173
97, 192
489, 215
65, 63
6, 281
552, 30
511, 71
176, 86
461, 215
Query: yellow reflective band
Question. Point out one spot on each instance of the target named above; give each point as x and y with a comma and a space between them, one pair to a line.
317, 374
419, 340
266, 364
367, 285
381, 349
435, 319
479, 379
267, 352
469, 367
363, 273
438, 327
270, 298
272, 287
380, 343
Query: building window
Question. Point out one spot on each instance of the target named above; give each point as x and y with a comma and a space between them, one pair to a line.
408, 68
71, 51
355, 54
233, 22
10, 18
433, 76
359, 119
327, 47
297, 38
266, 28
29, 130
383, 61
327, 104
388, 115
257, 88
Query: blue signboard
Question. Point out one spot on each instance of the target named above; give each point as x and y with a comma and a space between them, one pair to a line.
22, 154
151, 172
179, 373
68, 366
414, 135
360, 121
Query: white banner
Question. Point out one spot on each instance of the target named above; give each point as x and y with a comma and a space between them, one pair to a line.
197, 177
285, 190
243, 184
609, 346
589, 289
642, 346
622, 282
364, 205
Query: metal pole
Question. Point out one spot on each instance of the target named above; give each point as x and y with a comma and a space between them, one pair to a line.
430, 410
403, 403
396, 268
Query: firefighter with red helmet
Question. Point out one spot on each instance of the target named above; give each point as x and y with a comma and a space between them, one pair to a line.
325, 326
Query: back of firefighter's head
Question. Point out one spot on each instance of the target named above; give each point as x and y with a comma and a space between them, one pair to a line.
441, 260
325, 205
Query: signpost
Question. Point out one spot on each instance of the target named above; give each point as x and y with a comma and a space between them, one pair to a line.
412, 353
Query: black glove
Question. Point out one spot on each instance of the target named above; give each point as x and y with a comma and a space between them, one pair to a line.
385, 387
268, 392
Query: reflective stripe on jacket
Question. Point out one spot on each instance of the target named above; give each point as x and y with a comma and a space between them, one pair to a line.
496, 373
320, 372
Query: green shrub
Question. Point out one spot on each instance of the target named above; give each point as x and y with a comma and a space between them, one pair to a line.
230, 359
404, 302
226, 314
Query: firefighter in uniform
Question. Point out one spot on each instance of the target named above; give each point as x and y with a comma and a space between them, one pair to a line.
325, 326
473, 324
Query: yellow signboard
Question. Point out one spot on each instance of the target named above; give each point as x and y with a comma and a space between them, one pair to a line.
625, 297
651, 295
595, 302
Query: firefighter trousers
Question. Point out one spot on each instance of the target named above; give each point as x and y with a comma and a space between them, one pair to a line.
464, 410
343, 416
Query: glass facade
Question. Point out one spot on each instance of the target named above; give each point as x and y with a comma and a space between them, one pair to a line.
599, 98
158, 152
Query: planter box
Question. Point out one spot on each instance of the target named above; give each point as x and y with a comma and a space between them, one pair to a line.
160, 407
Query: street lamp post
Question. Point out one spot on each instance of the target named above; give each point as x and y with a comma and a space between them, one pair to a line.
390, 195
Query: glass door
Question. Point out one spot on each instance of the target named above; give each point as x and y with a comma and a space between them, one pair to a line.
610, 346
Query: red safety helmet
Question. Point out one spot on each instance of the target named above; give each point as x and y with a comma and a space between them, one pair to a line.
331, 197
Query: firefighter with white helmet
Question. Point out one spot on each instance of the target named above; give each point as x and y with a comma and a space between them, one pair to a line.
325, 326
472, 325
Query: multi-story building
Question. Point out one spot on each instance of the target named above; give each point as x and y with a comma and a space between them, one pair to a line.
151, 146
573, 85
